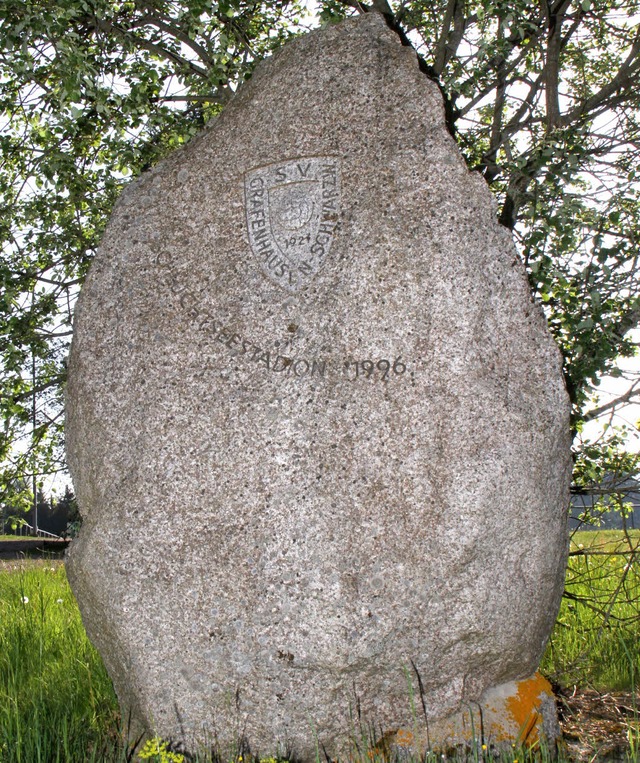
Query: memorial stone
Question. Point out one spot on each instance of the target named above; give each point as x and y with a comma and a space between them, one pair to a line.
317, 426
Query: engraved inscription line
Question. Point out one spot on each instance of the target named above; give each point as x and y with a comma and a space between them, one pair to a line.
241, 346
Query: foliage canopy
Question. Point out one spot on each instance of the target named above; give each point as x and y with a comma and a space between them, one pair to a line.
542, 98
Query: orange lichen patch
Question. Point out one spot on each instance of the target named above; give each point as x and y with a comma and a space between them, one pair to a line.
404, 738
384, 746
513, 713
525, 707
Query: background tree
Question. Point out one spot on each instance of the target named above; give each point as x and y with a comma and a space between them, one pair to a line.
14, 508
542, 98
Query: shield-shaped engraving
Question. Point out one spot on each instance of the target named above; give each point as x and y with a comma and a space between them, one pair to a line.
292, 211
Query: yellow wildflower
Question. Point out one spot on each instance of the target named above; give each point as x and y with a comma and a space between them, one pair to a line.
155, 749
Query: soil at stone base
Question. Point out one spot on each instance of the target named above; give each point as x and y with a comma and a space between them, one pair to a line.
595, 726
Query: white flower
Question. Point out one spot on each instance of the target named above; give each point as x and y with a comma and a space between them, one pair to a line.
59, 601
25, 599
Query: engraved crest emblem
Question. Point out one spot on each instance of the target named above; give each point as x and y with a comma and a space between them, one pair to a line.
292, 211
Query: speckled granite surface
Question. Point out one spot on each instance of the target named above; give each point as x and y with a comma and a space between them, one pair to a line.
317, 428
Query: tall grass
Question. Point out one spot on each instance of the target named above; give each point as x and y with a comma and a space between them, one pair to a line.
56, 700
596, 640
57, 704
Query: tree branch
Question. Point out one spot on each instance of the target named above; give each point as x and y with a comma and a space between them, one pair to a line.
442, 54
554, 16
109, 27
628, 396
52, 382
177, 33
625, 77
193, 98
495, 140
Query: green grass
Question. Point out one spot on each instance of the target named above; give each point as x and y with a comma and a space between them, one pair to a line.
56, 700
596, 640
57, 704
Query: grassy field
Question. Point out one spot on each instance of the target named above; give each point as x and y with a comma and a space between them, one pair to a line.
596, 640
57, 704
56, 700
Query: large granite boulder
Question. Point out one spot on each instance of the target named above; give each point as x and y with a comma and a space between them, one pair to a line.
316, 425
